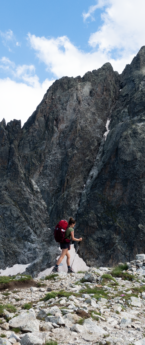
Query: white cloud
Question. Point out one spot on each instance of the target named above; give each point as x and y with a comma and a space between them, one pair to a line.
18, 100
62, 58
93, 8
9, 37
118, 39
20, 97
122, 29
21, 72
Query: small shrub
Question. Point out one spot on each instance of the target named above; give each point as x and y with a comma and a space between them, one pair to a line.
16, 330
51, 342
109, 277
54, 294
6, 293
98, 292
27, 306
5, 279
25, 277
8, 307
118, 272
51, 277
2, 335
50, 295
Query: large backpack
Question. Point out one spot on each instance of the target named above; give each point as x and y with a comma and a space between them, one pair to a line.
59, 231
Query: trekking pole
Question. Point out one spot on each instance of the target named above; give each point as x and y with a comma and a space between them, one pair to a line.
76, 252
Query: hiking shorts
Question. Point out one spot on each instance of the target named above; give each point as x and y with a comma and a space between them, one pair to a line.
65, 245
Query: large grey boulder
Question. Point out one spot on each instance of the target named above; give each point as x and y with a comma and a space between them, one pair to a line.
4, 341
31, 339
140, 257
26, 321
140, 342
92, 327
35, 338
56, 319
77, 328
136, 302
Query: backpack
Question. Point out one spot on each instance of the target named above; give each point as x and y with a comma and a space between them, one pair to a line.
59, 231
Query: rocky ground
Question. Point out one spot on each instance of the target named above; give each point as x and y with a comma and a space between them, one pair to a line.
101, 306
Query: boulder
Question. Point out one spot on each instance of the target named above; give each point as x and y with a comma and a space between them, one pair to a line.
140, 257
88, 277
136, 302
140, 342
92, 327
45, 326
31, 339
42, 314
56, 319
77, 328
125, 322
26, 321
4, 341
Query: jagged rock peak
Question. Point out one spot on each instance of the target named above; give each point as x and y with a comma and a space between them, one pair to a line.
61, 164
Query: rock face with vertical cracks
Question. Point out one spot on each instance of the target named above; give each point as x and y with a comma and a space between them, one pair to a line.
111, 215
61, 164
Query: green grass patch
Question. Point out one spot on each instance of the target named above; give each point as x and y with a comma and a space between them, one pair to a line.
50, 295
2, 335
138, 289
98, 292
5, 279
8, 307
6, 293
51, 276
40, 284
118, 273
81, 272
16, 330
51, 342
58, 294
27, 306
108, 277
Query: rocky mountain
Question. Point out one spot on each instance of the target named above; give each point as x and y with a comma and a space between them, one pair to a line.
63, 163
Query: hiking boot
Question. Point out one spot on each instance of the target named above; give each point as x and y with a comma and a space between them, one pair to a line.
70, 270
55, 269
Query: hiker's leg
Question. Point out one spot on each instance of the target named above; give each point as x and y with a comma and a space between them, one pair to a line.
64, 251
68, 258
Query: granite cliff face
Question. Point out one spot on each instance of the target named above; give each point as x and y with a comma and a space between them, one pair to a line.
61, 163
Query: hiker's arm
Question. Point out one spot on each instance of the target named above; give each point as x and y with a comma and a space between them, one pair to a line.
75, 239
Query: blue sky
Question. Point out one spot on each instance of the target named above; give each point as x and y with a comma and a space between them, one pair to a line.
41, 41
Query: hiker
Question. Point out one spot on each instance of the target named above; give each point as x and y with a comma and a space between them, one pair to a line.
65, 246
